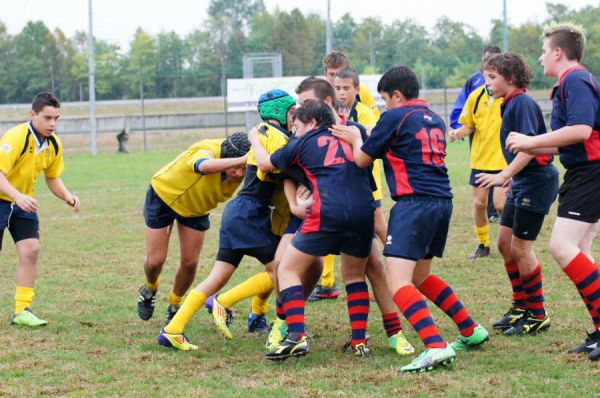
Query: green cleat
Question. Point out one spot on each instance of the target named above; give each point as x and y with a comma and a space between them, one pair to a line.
219, 314
399, 344
277, 334
430, 359
475, 340
27, 318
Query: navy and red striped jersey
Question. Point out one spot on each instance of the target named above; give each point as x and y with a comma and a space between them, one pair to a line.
340, 189
411, 141
520, 113
576, 100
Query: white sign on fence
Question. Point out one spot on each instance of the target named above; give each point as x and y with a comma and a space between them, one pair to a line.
242, 94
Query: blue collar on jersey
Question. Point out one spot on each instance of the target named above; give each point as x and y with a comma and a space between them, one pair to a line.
40, 138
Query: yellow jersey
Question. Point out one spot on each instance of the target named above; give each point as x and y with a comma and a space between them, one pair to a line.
263, 185
185, 190
482, 114
22, 158
361, 114
365, 97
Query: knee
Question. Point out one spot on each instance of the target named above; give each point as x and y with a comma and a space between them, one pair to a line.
556, 248
504, 247
155, 262
189, 264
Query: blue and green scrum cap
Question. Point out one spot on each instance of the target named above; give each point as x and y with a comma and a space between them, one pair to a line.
274, 104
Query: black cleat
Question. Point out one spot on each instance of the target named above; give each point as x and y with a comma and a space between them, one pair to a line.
480, 251
591, 343
323, 293
529, 324
171, 311
509, 319
146, 303
288, 348
595, 355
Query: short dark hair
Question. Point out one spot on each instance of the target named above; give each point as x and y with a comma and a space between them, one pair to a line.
317, 110
43, 99
336, 59
321, 87
400, 78
568, 37
491, 49
511, 66
349, 74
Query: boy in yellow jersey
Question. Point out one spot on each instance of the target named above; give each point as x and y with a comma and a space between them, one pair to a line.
333, 63
481, 121
25, 151
245, 226
186, 190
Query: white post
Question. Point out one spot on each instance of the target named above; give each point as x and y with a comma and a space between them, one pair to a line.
92, 84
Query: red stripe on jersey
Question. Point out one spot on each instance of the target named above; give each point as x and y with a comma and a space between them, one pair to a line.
543, 160
400, 174
592, 146
312, 223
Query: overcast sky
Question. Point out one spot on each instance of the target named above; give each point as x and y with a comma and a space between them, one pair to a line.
116, 20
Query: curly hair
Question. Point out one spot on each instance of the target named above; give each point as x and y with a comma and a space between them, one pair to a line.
512, 67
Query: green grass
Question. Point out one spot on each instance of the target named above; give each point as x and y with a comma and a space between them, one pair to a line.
90, 268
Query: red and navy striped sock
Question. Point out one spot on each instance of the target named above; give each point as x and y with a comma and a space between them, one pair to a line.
411, 304
442, 295
585, 275
519, 296
279, 309
292, 300
358, 310
391, 323
593, 313
532, 283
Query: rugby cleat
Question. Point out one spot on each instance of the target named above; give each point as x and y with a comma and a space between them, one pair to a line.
277, 333
475, 340
288, 348
360, 350
399, 344
257, 323
480, 251
177, 341
27, 318
431, 359
323, 293
595, 355
529, 324
146, 303
590, 344
222, 318
509, 319
171, 311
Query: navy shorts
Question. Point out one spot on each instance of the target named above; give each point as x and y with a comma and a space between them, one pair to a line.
579, 196
418, 227
264, 254
158, 215
474, 172
293, 225
20, 224
246, 224
323, 243
534, 190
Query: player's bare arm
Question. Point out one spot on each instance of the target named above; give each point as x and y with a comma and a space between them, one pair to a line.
58, 188
564, 136
461, 132
351, 134
486, 180
210, 166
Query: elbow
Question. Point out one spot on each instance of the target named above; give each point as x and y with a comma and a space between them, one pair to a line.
265, 167
586, 132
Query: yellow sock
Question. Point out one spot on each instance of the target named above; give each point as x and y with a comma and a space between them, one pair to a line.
328, 278
23, 298
483, 235
174, 299
260, 305
193, 302
256, 284
153, 286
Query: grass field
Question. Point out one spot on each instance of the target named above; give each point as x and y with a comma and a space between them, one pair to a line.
90, 269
